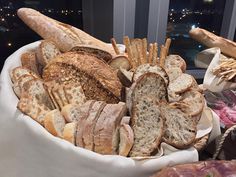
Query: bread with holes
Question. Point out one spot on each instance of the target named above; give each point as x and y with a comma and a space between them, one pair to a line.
180, 128
69, 132
54, 122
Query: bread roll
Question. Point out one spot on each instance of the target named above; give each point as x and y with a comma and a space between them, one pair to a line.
209, 39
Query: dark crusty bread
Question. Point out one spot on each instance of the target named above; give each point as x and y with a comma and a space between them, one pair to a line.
97, 79
35, 87
106, 134
97, 52
54, 122
147, 125
126, 139
46, 51
89, 124
29, 61
180, 130
69, 132
19, 71
30, 106
65, 36
147, 68
150, 84
173, 61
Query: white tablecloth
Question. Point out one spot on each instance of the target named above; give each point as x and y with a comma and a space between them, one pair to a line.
28, 150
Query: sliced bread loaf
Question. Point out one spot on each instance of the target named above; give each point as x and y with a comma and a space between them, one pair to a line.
69, 132
30, 106
106, 134
173, 61
54, 122
180, 130
148, 68
59, 95
126, 139
46, 51
147, 125
173, 73
89, 124
29, 61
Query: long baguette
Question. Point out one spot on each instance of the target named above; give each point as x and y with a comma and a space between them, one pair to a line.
64, 36
211, 40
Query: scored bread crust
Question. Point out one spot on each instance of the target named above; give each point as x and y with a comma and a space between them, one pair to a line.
181, 128
126, 139
69, 132
106, 135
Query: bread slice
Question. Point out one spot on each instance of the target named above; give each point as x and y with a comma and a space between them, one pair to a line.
120, 61
106, 134
195, 86
59, 95
126, 139
125, 77
46, 51
173, 73
49, 87
18, 86
148, 126
147, 68
19, 71
150, 84
74, 94
181, 129
173, 61
35, 87
69, 132
89, 124
95, 51
30, 106
54, 122
125, 120
181, 84
73, 112
29, 61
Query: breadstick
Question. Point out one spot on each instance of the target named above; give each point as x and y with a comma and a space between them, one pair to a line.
113, 42
162, 56
144, 50
126, 42
154, 53
167, 45
140, 55
150, 53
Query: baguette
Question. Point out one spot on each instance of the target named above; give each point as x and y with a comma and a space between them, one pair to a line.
209, 39
63, 35
54, 123
69, 132
126, 139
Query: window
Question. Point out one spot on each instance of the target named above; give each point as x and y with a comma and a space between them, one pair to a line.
186, 14
14, 34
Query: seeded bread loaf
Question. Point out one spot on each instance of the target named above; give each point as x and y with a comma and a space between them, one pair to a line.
54, 122
97, 79
30, 106
69, 132
180, 130
106, 134
29, 61
126, 139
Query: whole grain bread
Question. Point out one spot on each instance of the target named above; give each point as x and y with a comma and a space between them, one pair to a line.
46, 51
181, 129
106, 134
54, 122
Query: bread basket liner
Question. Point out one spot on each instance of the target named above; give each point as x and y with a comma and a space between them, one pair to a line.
27, 149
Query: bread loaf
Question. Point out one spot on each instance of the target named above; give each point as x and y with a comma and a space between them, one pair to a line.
64, 36
120, 61
209, 39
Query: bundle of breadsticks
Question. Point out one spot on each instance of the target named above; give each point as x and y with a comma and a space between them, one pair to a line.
139, 52
226, 70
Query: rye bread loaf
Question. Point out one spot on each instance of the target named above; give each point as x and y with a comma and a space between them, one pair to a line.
106, 134
89, 124
126, 139
173, 61
97, 79
29, 61
181, 129
30, 106
147, 68
46, 51
54, 122
69, 132
63, 35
